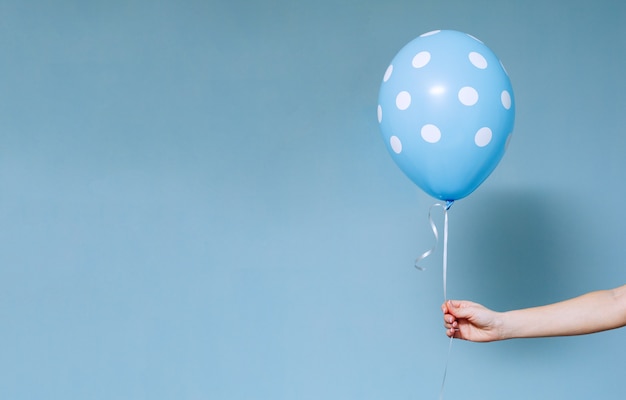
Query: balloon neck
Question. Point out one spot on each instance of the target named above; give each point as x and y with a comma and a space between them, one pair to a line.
449, 204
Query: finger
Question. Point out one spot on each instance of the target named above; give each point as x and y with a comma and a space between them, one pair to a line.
459, 311
451, 325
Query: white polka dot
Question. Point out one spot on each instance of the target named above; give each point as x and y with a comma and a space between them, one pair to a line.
505, 97
483, 137
430, 33
504, 69
478, 60
403, 100
421, 59
468, 96
380, 114
388, 73
431, 133
396, 144
475, 38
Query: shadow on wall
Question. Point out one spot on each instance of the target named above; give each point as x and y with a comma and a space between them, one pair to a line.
516, 249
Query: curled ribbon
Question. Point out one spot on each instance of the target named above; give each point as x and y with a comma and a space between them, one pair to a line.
430, 251
427, 253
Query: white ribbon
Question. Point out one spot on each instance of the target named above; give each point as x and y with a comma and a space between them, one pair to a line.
427, 253
430, 251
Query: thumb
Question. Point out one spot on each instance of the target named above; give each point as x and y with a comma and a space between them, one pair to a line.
459, 308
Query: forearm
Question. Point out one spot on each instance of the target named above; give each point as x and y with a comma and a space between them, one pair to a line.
589, 313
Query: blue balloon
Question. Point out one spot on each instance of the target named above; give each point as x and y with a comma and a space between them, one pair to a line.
446, 111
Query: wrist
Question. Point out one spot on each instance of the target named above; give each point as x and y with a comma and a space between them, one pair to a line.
503, 324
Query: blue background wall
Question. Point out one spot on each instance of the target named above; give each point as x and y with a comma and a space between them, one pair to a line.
196, 203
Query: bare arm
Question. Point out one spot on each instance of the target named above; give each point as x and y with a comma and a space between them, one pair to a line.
592, 312
589, 313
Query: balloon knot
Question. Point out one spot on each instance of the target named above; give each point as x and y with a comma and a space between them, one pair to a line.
449, 204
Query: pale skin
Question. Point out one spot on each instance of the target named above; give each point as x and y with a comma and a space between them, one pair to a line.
590, 313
